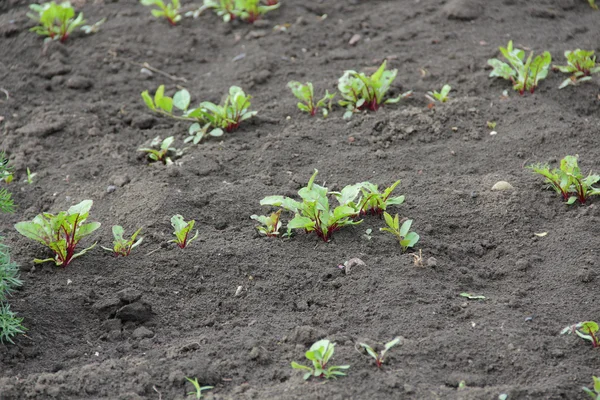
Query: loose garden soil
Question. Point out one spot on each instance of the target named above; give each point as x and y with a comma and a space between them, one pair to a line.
135, 327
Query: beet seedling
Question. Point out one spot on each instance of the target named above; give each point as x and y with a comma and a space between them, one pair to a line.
380, 357
225, 9
56, 21
164, 149
441, 96
61, 233
320, 353
405, 238
306, 94
375, 202
7, 204
197, 132
524, 74
361, 92
170, 11
587, 330
581, 65
271, 223
252, 10
182, 231
595, 393
122, 246
198, 389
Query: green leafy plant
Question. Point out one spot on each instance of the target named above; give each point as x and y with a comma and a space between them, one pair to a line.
6, 202
170, 11
30, 176
56, 21
197, 133
161, 150
61, 233
375, 202
581, 65
441, 96
525, 74
306, 94
10, 324
198, 389
122, 246
594, 393
587, 330
182, 231
225, 9
271, 224
380, 357
320, 353
361, 92
313, 213
405, 238
568, 180
252, 10
246, 10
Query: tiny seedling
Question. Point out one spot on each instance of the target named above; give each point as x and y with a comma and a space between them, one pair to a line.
182, 231
491, 125
198, 389
252, 10
225, 9
162, 149
380, 357
376, 203
405, 238
55, 21
581, 65
568, 180
472, 296
89, 29
320, 353
271, 224
441, 96
30, 176
306, 94
593, 4
594, 393
61, 233
7, 204
198, 132
368, 233
587, 330
170, 11
122, 246
361, 92
525, 74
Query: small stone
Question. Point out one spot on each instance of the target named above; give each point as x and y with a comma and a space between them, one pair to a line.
432, 262
354, 39
129, 295
71, 353
79, 83
121, 180
110, 188
502, 185
142, 333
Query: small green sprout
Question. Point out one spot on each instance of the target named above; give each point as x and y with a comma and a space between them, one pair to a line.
587, 330
225, 9
593, 4
320, 353
197, 132
122, 246
271, 223
594, 393
61, 233
164, 149
89, 29
568, 180
472, 296
380, 357
441, 96
581, 65
491, 125
246, 10
10, 324
198, 389
182, 231
56, 21
368, 233
170, 11
252, 10
405, 238
524, 74
375, 202
7, 204
30, 176
306, 94
360, 92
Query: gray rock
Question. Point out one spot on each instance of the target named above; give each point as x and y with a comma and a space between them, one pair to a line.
129, 295
463, 10
142, 333
502, 185
79, 83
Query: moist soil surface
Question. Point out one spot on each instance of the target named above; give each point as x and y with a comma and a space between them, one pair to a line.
135, 327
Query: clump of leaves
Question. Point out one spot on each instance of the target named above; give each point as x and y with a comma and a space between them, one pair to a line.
587, 330
198, 389
380, 357
405, 238
270, 225
306, 94
441, 96
161, 150
320, 353
6, 202
581, 65
55, 21
252, 10
568, 180
122, 246
314, 213
182, 231
198, 132
594, 393
246, 10
362, 92
525, 74
375, 202
61, 233
170, 11
10, 324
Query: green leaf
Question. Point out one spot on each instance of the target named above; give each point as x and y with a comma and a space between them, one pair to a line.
181, 100
165, 103
148, 100
160, 92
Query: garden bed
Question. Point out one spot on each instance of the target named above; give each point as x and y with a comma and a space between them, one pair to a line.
74, 116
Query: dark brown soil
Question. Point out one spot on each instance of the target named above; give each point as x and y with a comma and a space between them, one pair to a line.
75, 117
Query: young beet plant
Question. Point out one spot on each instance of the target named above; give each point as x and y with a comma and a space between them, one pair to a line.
379, 357
61, 233
376, 203
252, 10
441, 96
270, 225
594, 393
405, 238
361, 92
524, 74
581, 65
161, 150
587, 330
246, 10
320, 353
198, 389
170, 11
55, 21
182, 231
306, 94
122, 246
568, 180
